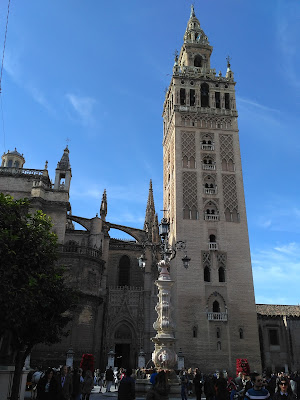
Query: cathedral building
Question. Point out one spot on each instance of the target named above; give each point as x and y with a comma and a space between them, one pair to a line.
217, 321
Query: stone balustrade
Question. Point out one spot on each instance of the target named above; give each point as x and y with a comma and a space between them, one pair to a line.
82, 250
217, 316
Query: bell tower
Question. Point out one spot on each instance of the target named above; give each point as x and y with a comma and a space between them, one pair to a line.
215, 316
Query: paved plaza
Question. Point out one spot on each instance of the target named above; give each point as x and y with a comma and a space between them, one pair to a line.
102, 395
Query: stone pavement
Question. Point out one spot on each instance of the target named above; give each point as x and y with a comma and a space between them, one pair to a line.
113, 395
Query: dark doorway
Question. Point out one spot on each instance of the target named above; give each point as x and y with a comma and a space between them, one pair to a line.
122, 357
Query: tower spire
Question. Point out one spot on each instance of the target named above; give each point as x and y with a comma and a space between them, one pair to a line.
103, 207
151, 224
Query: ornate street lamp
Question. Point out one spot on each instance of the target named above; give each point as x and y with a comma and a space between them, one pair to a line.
164, 354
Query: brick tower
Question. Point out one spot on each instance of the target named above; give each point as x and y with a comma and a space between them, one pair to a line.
204, 201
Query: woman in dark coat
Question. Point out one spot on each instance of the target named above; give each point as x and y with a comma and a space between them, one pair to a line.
77, 383
160, 390
47, 388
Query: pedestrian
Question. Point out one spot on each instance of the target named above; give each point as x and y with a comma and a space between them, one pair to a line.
221, 388
284, 390
198, 384
160, 389
257, 392
153, 377
77, 381
47, 387
88, 385
126, 389
109, 378
209, 388
64, 381
184, 381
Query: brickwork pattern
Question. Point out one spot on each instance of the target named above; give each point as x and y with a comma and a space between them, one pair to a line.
188, 144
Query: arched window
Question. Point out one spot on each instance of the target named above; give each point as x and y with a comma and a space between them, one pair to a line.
194, 213
218, 332
212, 238
185, 162
206, 274
221, 274
218, 345
17, 164
227, 215
198, 61
195, 331
230, 165
235, 216
241, 332
186, 213
216, 306
10, 163
124, 271
192, 162
182, 97
204, 95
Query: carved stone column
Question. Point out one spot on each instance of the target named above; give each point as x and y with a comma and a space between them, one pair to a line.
164, 355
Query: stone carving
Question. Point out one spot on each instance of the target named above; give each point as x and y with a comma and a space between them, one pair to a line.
230, 193
190, 189
188, 145
226, 147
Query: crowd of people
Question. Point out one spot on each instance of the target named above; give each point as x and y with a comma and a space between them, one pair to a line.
67, 384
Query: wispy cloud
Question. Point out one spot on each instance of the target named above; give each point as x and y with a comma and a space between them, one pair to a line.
252, 108
279, 213
287, 38
276, 274
83, 107
12, 68
256, 105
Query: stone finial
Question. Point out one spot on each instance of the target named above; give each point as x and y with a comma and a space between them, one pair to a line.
103, 207
192, 11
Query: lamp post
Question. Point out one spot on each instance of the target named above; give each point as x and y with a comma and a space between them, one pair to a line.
164, 355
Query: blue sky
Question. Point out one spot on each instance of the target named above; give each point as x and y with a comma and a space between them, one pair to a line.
95, 72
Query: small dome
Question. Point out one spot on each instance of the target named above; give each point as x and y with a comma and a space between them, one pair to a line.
13, 159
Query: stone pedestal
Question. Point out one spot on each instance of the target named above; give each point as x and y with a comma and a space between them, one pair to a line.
6, 380
111, 359
141, 359
70, 358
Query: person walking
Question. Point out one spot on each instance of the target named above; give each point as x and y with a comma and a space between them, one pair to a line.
88, 385
284, 390
47, 387
126, 389
109, 378
77, 381
257, 392
64, 381
160, 389
198, 384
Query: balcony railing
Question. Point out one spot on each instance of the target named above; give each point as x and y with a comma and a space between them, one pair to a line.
213, 246
211, 217
21, 171
208, 147
82, 250
209, 166
217, 316
210, 190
